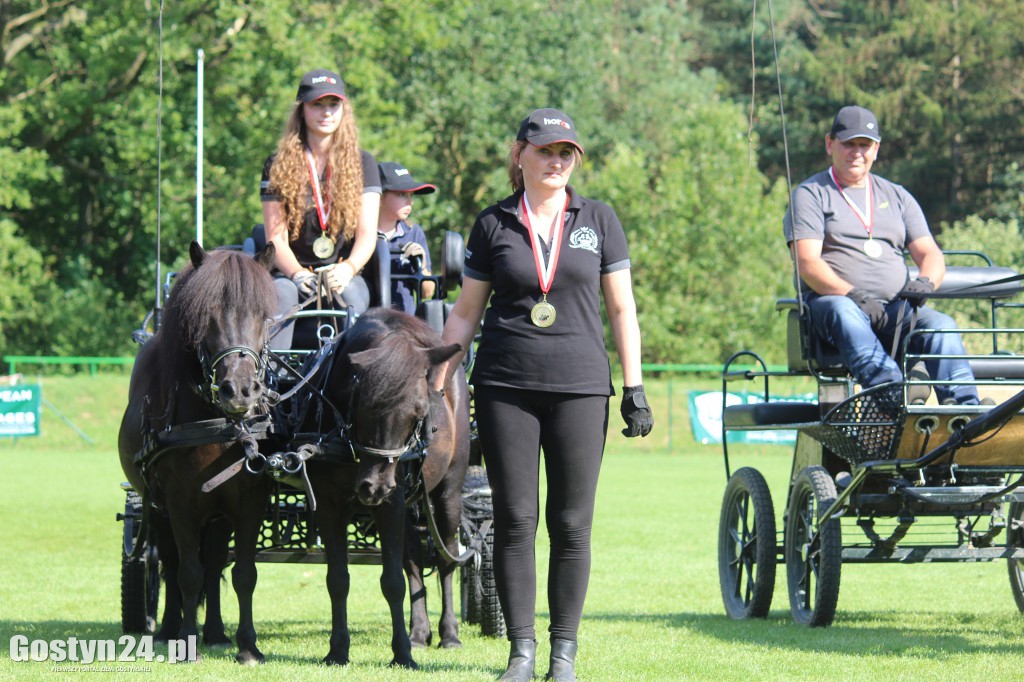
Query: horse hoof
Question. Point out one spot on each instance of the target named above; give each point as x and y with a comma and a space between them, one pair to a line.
452, 643
331, 659
250, 658
410, 664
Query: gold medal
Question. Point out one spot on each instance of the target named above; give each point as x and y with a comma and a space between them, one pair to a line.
543, 314
323, 246
872, 248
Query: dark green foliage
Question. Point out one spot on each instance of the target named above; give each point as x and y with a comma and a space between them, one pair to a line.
661, 92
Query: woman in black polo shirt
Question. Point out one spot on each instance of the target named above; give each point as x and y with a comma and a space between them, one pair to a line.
543, 257
321, 195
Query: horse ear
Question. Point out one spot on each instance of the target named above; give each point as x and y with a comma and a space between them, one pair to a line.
439, 354
266, 256
196, 253
366, 357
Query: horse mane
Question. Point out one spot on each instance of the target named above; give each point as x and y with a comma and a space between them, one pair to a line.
400, 364
227, 283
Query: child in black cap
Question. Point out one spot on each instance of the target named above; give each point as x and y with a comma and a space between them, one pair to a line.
410, 254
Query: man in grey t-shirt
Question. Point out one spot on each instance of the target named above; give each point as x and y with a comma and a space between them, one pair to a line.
847, 229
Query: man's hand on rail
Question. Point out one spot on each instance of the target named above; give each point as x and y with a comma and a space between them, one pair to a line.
917, 291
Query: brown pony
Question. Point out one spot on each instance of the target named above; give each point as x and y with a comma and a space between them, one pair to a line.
380, 383
204, 363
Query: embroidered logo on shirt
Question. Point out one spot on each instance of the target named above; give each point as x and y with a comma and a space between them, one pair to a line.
884, 204
583, 238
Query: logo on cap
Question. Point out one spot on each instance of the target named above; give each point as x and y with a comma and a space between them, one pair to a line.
324, 79
556, 122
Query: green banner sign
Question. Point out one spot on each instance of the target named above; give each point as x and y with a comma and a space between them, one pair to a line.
19, 410
706, 418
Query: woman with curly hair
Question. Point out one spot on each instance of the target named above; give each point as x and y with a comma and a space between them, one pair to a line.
320, 195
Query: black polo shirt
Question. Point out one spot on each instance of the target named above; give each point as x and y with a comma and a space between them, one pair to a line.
570, 355
303, 246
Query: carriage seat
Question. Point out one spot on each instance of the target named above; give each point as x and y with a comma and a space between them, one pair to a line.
770, 414
434, 312
804, 350
958, 277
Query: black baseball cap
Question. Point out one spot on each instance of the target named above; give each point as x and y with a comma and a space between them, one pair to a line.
394, 177
854, 122
320, 83
548, 126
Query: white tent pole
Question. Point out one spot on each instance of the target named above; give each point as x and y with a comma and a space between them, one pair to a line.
199, 147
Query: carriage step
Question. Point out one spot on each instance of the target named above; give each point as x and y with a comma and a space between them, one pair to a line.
771, 414
967, 495
919, 555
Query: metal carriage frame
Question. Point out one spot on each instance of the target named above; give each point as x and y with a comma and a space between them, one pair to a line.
289, 532
882, 475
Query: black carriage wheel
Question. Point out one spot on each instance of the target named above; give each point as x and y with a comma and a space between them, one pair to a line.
1015, 540
140, 575
472, 592
140, 592
746, 546
479, 591
476, 509
813, 549
492, 621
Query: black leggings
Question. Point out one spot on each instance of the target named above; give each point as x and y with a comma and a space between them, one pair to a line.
514, 426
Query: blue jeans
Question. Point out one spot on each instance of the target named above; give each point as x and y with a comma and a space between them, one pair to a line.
839, 320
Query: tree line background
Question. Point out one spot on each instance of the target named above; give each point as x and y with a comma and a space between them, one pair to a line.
676, 103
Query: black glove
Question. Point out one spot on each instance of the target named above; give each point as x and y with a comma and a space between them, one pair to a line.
917, 291
306, 282
871, 306
636, 412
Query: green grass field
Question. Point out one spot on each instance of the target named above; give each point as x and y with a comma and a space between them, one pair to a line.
654, 610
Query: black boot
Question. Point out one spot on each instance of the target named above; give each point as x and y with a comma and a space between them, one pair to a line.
563, 661
521, 660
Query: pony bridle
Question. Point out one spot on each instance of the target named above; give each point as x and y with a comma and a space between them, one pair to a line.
209, 366
415, 447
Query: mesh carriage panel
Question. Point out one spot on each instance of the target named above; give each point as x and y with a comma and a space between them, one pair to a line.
866, 427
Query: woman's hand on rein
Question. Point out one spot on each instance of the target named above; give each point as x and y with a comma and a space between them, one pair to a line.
338, 276
306, 283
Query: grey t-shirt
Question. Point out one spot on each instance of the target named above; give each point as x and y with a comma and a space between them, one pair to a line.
820, 212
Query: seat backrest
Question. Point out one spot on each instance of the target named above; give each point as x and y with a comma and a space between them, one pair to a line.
965, 281
805, 351
435, 312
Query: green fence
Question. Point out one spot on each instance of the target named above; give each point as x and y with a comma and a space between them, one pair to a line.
92, 363
89, 361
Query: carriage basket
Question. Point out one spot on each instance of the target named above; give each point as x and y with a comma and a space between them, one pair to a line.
866, 427
289, 525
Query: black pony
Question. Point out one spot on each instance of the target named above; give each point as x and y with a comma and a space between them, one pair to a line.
380, 383
205, 363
